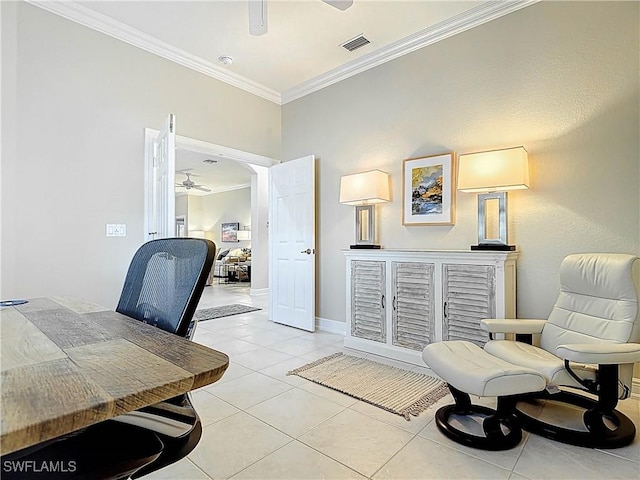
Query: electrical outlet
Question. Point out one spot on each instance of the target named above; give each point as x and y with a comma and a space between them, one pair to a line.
116, 230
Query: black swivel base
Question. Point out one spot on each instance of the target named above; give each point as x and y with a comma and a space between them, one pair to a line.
501, 428
605, 427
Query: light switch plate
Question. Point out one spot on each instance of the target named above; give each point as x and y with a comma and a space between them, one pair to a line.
116, 230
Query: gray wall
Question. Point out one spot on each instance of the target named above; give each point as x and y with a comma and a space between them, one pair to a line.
74, 107
211, 211
559, 78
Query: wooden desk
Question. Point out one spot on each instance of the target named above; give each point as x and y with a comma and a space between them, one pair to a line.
66, 364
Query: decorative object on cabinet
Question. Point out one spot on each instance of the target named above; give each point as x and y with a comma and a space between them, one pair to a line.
230, 232
399, 301
492, 174
428, 190
364, 190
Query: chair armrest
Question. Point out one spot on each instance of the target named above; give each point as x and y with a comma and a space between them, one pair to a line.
512, 325
600, 353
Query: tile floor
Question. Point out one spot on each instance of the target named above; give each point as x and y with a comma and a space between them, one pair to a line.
261, 424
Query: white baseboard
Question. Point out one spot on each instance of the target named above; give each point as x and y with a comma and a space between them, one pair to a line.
331, 326
258, 291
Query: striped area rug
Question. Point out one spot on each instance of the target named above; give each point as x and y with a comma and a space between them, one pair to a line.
393, 389
223, 311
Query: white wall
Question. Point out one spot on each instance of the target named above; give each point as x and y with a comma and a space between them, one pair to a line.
75, 104
560, 78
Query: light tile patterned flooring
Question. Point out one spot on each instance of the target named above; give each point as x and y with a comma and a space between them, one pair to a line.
261, 424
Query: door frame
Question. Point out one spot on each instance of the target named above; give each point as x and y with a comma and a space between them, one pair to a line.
258, 165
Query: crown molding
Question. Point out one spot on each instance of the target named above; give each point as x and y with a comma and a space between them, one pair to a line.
230, 188
104, 24
474, 17
213, 190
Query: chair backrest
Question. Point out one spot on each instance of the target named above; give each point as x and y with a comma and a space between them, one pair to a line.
165, 281
598, 301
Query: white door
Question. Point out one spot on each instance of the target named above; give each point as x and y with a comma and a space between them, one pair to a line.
292, 266
162, 212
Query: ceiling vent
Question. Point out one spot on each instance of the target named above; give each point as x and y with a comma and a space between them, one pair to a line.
355, 43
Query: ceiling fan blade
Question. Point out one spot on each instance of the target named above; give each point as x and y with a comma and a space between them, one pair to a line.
257, 17
339, 4
202, 188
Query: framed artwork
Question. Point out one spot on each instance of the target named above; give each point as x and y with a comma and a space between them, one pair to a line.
428, 190
230, 232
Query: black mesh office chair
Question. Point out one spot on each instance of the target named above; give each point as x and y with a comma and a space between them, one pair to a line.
163, 286
164, 283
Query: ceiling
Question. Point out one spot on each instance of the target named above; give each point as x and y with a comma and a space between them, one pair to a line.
223, 175
300, 53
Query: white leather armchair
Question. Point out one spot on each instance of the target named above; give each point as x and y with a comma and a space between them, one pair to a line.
588, 343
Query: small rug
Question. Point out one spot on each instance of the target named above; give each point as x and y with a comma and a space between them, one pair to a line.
398, 391
223, 311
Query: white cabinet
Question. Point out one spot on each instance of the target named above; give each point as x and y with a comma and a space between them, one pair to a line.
398, 301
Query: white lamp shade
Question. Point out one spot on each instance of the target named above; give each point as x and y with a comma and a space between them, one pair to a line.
244, 234
364, 188
496, 170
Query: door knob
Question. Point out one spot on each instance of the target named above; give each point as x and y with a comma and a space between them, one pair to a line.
307, 251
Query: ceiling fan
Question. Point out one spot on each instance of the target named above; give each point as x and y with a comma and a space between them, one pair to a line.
258, 13
188, 184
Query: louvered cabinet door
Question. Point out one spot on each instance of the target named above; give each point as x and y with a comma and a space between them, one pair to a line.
368, 300
413, 297
468, 297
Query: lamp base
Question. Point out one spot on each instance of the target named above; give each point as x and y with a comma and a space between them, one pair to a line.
494, 246
364, 246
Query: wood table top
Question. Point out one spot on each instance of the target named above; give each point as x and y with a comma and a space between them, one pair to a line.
66, 364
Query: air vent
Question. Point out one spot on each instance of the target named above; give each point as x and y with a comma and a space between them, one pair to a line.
354, 44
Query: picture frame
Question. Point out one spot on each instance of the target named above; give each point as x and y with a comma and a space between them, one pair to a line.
429, 190
230, 232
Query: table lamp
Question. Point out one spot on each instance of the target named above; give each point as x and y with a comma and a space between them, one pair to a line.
492, 174
244, 235
364, 190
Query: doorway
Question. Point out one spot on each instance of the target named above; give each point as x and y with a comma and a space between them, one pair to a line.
258, 168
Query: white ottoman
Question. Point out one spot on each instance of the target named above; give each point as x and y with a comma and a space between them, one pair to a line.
470, 370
